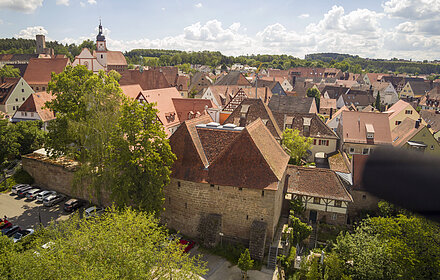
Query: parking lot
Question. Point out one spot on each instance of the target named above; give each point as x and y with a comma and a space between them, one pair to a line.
29, 213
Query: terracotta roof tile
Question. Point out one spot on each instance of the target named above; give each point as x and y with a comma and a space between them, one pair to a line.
354, 127
431, 118
316, 182
190, 106
397, 108
132, 91
290, 104
6, 88
148, 79
338, 164
116, 58
233, 78
35, 103
39, 69
318, 129
404, 132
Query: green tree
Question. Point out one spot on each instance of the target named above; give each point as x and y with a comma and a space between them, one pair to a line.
245, 263
300, 230
313, 273
295, 145
377, 104
313, 92
124, 244
121, 147
9, 146
87, 44
30, 136
9, 71
334, 268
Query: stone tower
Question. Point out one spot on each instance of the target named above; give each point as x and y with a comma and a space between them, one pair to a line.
41, 44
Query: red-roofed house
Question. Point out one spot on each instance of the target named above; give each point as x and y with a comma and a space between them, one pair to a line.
190, 108
34, 109
360, 132
322, 192
215, 181
39, 70
399, 112
164, 103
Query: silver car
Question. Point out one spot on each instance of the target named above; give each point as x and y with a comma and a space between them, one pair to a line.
32, 193
15, 188
53, 199
42, 195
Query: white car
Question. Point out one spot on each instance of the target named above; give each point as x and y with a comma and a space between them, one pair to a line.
53, 199
15, 188
32, 193
22, 233
93, 211
42, 195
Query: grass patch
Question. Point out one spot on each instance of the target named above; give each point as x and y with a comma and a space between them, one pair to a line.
231, 252
20, 177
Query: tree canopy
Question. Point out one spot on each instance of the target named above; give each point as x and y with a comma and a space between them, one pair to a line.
9, 71
295, 145
125, 244
121, 147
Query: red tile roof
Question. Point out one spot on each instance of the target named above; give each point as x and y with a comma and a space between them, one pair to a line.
397, 108
148, 79
186, 107
39, 69
354, 127
35, 103
6, 88
316, 182
216, 156
116, 58
132, 91
404, 132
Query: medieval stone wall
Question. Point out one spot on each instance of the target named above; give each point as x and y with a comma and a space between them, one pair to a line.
52, 176
187, 203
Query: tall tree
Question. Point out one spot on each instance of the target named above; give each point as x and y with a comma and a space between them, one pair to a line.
377, 102
121, 147
313, 92
295, 145
9, 71
245, 262
124, 244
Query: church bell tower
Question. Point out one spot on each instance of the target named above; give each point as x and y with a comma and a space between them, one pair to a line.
100, 40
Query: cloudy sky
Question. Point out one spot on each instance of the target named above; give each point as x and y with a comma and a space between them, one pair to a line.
374, 28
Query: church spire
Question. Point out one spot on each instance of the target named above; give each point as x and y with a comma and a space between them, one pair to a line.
100, 37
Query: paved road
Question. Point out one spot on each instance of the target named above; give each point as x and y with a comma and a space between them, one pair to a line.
25, 213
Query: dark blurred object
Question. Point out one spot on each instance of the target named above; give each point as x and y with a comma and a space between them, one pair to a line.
405, 178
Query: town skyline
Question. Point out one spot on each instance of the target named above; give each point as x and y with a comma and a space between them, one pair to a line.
376, 29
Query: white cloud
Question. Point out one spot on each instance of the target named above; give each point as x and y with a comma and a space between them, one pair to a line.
163, 9
63, 2
30, 32
412, 9
92, 2
198, 5
82, 4
303, 16
406, 27
26, 6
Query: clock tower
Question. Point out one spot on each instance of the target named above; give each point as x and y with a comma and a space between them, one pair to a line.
101, 48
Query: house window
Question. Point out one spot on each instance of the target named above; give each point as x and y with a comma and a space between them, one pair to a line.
44, 88
240, 189
286, 126
22, 113
316, 200
338, 203
186, 205
334, 216
178, 184
364, 197
32, 114
262, 193
365, 151
25, 114
408, 112
23, 98
351, 150
22, 90
102, 56
432, 147
38, 88
398, 122
314, 141
13, 107
16, 99
212, 185
247, 217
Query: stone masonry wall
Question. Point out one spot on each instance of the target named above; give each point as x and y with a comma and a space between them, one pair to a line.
186, 204
57, 177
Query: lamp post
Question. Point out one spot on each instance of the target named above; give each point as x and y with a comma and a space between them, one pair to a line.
221, 238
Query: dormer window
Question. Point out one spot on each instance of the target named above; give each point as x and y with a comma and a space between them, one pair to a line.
288, 123
369, 131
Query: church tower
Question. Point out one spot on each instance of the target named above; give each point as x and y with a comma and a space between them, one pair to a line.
101, 48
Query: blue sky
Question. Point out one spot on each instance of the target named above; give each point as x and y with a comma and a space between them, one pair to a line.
377, 29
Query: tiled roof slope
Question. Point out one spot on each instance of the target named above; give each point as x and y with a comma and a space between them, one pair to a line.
35, 103
250, 158
233, 78
185, 106
6, 88
404, 132
39, 70
431, 118
318, 128
290, 104
148, 79
354, 127
316, 182
256, 109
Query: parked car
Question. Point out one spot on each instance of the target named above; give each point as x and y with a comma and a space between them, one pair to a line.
23, 191
73, 204
53, 199
17, 187
93, 211
42, 195
10, 231
22, 233
32, 194
186, 244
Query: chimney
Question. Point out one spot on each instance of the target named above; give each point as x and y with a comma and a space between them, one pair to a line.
331, 113
359, 123
265, 95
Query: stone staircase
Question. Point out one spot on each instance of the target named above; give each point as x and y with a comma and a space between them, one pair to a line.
272, 257
313, 236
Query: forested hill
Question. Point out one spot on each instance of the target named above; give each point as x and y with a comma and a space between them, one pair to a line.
158, 57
